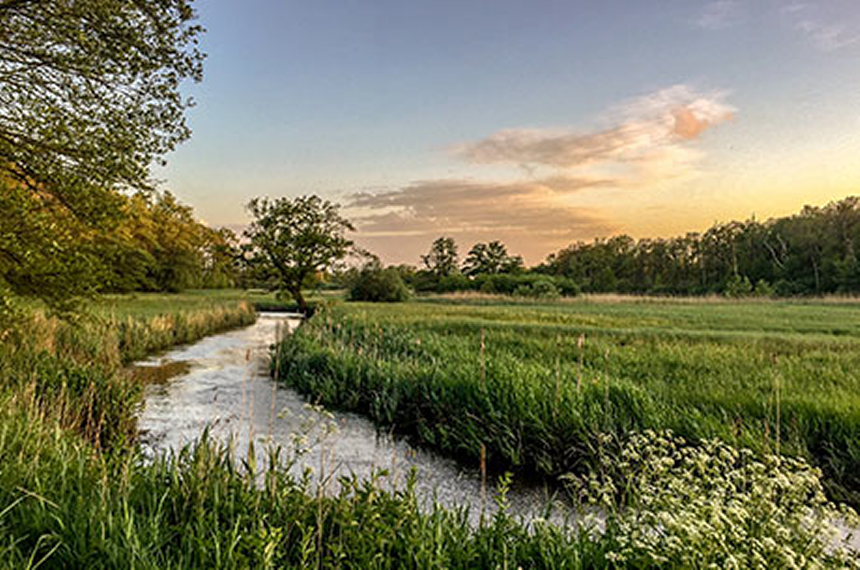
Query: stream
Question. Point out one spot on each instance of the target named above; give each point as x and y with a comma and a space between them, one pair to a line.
225, 385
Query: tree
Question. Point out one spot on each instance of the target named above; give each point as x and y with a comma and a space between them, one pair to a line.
491, 258
292, 239
441, 260
89, 99
375, 284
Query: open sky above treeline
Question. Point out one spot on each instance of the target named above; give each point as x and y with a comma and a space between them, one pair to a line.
537, 123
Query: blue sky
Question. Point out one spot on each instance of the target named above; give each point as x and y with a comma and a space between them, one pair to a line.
538, 122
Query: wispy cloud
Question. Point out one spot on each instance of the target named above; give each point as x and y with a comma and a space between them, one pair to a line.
454, 206
828, 37
718, 15
827, 27
650, 128
532, 214
642, 141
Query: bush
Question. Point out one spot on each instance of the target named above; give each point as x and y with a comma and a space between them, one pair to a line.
454, 282
738, 286
378, 285
764, 289
526, 284
540, 288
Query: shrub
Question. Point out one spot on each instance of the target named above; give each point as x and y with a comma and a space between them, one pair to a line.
540, 288
378, 285
738, 286
764, 289
455, 282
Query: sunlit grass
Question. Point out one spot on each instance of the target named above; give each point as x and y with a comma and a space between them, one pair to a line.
551, 377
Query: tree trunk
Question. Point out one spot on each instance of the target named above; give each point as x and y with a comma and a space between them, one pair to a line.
300, 299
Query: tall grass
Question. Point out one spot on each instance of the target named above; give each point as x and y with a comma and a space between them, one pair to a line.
539, 385
70, 508
76, 493
70, 369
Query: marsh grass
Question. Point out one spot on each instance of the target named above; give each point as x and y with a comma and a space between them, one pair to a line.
75, 492
538, 384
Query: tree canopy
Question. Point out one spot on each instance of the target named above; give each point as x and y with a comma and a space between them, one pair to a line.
292, 239
812, 252
442, 258
89, 99
491, 258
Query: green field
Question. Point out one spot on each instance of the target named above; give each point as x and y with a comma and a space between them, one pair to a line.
777, 377
75, 491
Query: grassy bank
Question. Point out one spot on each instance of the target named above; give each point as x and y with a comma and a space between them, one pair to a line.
75, 492
536, 385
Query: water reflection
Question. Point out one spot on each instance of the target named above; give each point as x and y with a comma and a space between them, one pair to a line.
227, 388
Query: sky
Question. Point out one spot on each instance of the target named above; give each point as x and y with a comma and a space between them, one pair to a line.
535, 122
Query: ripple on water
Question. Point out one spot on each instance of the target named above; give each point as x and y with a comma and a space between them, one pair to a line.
226, 386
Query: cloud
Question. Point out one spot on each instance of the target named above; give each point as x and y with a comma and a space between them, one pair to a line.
651, 126
532, 214
647, 140
829, 27
828, 37
459, 205
718, 15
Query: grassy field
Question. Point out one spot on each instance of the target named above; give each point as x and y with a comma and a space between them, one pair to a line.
75, 491
536, 385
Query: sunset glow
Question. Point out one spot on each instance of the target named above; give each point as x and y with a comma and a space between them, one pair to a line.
535, 123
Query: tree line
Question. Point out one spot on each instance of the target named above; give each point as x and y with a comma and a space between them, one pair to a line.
813, 252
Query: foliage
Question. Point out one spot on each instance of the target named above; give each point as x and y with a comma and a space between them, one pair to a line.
664, 501
292, 239
89, 99
442, 260
492, 258
160, 246
810, 253
501, 283
738, 286
541, 289
375, 284
45, 249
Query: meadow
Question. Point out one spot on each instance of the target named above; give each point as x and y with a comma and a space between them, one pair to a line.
534, 387
76, 492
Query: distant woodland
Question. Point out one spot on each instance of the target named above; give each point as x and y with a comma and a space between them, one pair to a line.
810, 253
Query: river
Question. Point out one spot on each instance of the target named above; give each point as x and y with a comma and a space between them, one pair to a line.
226, 387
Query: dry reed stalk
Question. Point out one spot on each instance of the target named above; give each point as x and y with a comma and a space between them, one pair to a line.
557, 371
483, 358
580, 344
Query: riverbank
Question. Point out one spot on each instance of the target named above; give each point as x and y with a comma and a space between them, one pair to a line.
563, 390
76, 491
534, 387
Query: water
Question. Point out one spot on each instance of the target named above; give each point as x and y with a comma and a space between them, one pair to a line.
225, 385
227, 388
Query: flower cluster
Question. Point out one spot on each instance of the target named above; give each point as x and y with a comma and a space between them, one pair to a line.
667, 501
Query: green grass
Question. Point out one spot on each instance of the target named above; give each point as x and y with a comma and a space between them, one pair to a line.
769, 375
75, 491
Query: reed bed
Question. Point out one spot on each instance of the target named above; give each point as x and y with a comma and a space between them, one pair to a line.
537, 386
75, 492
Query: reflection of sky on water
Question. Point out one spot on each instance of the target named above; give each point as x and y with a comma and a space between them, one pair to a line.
228, 389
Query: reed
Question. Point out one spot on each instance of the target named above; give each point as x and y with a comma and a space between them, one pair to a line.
524, 381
